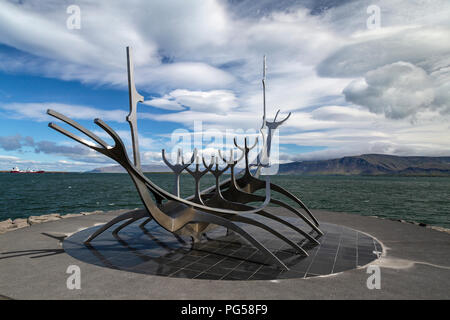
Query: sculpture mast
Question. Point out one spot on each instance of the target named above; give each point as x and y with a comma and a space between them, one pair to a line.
264, 155
264, 92
134, 97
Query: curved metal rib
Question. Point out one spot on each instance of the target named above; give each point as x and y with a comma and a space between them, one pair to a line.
242, 206
224, 222
236, 197
286, 193
104, 148
250, 184
77, 126
239, 218
234, 201
249, 197
218, 201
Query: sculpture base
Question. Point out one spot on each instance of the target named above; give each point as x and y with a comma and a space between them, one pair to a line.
223, 255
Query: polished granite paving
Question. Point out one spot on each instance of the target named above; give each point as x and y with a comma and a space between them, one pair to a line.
222, 256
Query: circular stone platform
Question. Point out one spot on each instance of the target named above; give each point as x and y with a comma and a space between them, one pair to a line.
222, 256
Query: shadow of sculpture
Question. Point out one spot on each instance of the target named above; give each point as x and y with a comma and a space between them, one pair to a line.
39, 253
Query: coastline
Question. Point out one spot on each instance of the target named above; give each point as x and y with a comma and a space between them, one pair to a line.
19, 223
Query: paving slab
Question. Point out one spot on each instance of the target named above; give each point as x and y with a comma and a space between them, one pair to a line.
415, 265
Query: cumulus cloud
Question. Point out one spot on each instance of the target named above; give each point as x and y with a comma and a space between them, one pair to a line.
397, 90
400, 69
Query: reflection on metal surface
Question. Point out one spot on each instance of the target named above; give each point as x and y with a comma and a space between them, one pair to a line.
222, 256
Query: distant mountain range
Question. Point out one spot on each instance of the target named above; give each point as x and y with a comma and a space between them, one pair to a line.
366, 164
371, 164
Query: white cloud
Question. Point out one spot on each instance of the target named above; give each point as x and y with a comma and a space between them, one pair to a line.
8, 158
424, 46
145, 143
166, 102
342, 114
397, 90
37, 111
96, 52
214, 101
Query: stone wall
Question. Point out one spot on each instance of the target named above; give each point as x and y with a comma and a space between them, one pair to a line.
9, 225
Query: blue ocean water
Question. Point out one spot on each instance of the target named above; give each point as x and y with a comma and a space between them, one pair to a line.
421, 199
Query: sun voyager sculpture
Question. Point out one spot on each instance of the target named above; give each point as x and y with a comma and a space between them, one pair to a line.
226, 203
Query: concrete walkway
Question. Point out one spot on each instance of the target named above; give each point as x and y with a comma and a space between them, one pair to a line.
415, 265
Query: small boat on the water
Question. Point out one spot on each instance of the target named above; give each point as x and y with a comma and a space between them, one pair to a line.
17, 170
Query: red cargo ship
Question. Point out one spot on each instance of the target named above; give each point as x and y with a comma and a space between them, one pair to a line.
17, 170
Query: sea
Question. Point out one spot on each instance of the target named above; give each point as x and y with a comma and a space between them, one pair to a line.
419, 199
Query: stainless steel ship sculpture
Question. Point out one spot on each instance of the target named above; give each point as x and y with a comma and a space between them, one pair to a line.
222, 204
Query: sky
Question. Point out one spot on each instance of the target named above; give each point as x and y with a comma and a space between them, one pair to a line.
355, 81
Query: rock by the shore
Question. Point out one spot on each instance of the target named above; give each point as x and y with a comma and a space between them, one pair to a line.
92, 212
20, 223
44, 218
9, 224
441, 229
6, 225
71, 215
